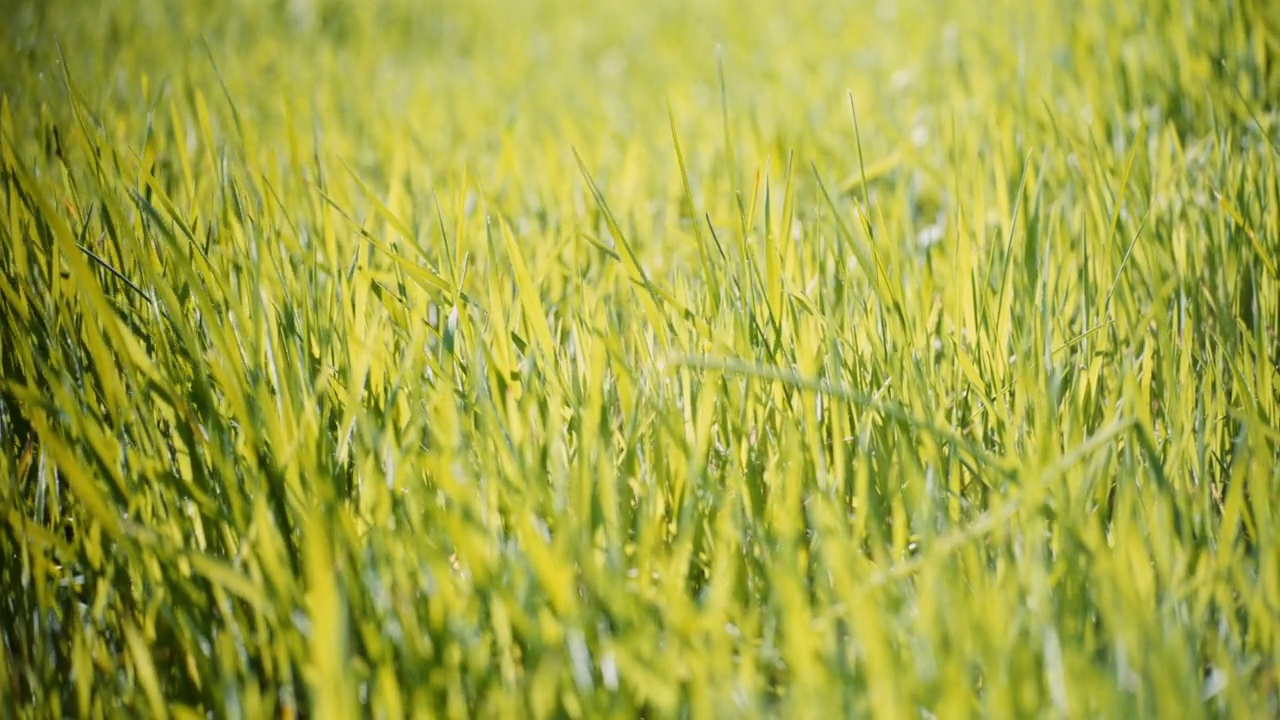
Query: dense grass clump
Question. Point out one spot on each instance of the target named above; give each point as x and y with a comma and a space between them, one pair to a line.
913, 358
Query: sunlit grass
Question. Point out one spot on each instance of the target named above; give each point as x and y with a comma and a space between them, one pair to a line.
897, 359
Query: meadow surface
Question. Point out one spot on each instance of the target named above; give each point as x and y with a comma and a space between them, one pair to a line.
913, 358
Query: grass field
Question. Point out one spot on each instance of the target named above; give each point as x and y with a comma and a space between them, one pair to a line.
898, 359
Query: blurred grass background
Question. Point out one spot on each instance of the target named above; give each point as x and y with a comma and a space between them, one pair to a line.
897, 359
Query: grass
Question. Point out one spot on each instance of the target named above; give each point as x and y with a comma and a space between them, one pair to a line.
906, 359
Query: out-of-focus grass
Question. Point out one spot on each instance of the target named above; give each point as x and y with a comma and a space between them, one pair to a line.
566, 359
